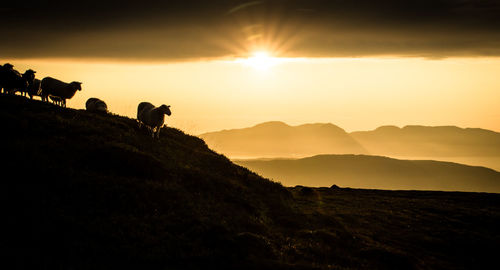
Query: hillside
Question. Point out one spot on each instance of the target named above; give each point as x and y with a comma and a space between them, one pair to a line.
277, 139
471, 146
88, 191
361, 171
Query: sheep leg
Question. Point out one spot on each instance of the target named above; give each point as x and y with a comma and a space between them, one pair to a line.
158, 129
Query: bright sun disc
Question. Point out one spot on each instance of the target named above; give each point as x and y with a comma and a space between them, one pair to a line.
260, 60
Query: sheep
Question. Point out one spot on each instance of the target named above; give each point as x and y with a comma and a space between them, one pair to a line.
57, 88
29, 76
96, 105
34, 89
151, 116
5, 72
11, 80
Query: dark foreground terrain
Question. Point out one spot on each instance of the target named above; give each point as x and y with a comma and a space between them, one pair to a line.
87, 191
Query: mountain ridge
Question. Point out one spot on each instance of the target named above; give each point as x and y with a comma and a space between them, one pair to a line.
448, 143
365, 171
285, 140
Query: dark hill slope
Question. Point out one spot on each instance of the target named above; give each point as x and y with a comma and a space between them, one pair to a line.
85, 188
87, 191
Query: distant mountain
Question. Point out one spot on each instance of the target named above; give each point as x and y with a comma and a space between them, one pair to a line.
277, 139
442, 141
361, 171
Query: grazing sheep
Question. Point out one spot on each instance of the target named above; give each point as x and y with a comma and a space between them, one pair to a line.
151, 116
11, 80
57, 88
96, 105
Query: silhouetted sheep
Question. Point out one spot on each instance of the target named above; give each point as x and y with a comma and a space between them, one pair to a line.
34, 89
96, 105
29, 76
11, 80
153, 117
57, 88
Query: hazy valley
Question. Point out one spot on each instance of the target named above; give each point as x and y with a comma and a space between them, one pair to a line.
358, 159
362, 171
279, 140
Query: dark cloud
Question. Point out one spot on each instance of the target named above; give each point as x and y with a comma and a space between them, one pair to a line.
182, 30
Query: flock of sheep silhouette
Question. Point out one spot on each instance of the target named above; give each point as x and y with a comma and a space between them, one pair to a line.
12, 81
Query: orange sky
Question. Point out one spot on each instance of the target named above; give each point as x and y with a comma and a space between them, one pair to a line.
353, 93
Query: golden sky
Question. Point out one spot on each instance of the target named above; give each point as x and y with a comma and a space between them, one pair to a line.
358, 64
353, 93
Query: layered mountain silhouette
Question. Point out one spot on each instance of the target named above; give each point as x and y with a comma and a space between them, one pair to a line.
363, 171
441, 141
278, 140
94, 191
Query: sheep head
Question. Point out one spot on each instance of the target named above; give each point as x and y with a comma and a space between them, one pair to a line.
29, 75
166, 109
76, 85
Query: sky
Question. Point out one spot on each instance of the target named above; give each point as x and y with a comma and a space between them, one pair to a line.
357, 64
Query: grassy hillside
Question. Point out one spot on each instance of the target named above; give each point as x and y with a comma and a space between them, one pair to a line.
361, 171
87, 191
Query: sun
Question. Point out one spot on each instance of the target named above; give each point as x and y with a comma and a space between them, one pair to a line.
260, 60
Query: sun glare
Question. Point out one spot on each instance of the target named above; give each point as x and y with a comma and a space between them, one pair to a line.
260, 60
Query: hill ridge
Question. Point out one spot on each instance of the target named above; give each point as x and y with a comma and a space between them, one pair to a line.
378, 172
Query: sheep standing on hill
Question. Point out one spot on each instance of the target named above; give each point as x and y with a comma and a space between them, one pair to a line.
57, 88
96, 105
11, 80
34, 89
29, 76
151, 116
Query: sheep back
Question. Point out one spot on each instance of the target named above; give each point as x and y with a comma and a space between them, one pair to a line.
96, 105
144, 111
